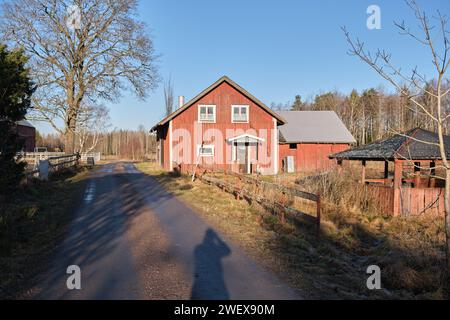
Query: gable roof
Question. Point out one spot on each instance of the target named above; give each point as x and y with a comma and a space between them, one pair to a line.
211, 88
413, 144
25, 123
313, 127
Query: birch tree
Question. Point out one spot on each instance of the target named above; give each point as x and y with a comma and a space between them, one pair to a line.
168, 96
433, 33
80, 51
93, 124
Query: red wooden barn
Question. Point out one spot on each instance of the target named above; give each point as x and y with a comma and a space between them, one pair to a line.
225, 127
309, 137
27, 133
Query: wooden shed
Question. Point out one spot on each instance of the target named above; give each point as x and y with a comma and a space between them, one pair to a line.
310, 137
414, 187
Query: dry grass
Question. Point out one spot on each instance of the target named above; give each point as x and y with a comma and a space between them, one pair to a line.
353, 236
31, 224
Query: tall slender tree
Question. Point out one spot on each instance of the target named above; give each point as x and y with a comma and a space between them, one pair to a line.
168, 96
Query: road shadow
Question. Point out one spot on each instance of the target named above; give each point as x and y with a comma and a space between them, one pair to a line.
208, 273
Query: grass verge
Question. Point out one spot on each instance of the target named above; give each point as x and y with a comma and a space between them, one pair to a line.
32, 221
408, 251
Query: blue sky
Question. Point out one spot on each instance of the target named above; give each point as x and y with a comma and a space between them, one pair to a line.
274, 49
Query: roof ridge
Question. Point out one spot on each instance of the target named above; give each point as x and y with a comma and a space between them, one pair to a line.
409, 137
212, 87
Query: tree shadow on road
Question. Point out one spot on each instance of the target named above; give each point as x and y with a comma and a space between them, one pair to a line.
208, 273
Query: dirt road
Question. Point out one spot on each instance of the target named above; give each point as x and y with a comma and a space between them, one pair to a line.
134, 240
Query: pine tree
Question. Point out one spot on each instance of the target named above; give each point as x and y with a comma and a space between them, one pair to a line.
15, 93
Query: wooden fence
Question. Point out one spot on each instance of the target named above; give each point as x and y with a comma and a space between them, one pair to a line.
96, 155
46, 167
33, 157
411, 201
417, 201
63, 162
382, 197
255, 190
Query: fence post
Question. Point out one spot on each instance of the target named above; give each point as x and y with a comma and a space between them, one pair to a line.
319, 209
282, 215
238, 191
283, 207
43, 166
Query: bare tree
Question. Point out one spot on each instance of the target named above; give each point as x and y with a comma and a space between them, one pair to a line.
75, 62
93, 123
168, 96
415, 85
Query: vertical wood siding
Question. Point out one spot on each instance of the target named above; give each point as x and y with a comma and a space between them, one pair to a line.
224, 96
312, 156
383, 197
416, 201
413, 201
28, 137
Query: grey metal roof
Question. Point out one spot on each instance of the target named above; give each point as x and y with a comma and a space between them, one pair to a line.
25, 123
413, 144
313, 127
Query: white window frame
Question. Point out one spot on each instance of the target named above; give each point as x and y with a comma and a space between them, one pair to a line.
199, 146
246, 106
207, 106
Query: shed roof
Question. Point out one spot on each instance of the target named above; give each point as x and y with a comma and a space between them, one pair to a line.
415, 144
211, 88
313, 127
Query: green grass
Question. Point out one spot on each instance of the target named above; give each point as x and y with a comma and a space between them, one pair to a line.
32, 221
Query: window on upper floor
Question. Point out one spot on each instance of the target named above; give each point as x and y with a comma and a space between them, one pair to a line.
207, 113
239, 113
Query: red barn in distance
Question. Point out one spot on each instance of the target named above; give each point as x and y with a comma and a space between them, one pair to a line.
27, 133
225, 127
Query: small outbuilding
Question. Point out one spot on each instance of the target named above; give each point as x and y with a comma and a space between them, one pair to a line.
308, 138
415, 187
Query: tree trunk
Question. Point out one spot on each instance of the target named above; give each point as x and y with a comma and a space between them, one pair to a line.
446, 286
69, 141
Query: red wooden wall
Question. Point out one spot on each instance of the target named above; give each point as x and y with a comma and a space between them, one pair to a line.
28, 136
224, 96
164, 137
412, 201
311, 156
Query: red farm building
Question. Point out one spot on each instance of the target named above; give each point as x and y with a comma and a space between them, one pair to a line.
309, 137
225, 127
27, 133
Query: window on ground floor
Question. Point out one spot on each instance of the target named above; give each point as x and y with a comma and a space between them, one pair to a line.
205, 150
